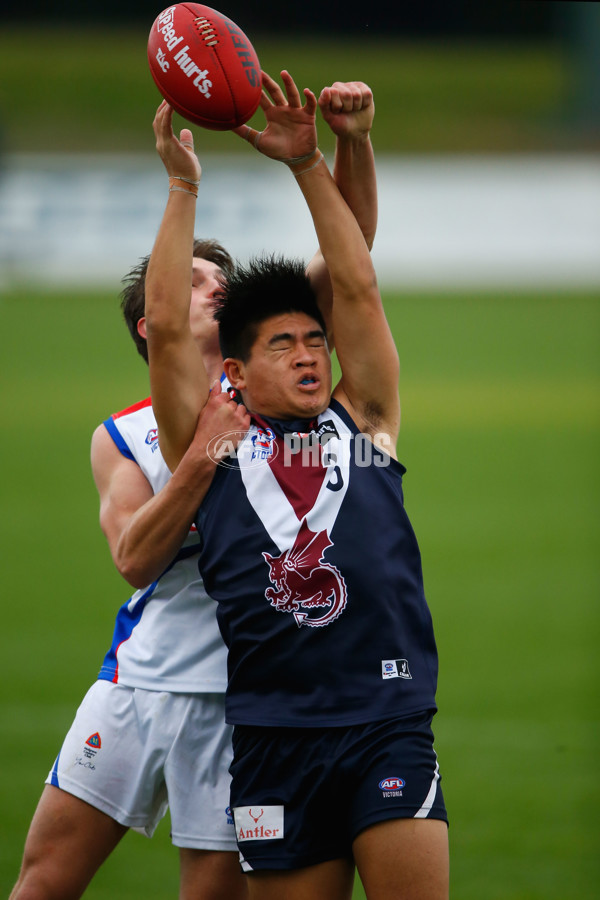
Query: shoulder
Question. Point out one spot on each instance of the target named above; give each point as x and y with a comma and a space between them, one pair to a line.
106, 452
133, 427
141, 407
116, 437
133, 418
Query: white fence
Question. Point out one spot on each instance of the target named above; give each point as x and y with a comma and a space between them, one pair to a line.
452, 222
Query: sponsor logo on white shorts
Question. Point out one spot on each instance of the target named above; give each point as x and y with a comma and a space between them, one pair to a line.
395, 668
258, 823
89, 750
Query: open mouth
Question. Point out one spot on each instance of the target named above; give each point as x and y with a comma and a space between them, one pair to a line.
308, 380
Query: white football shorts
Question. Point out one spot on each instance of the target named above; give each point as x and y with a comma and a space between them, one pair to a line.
133, 753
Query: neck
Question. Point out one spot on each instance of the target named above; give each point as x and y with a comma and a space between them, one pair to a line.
214, 366
287, 426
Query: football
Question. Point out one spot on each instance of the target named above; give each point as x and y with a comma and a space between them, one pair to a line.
204, 66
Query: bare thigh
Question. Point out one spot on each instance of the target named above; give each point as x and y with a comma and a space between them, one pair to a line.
332, 880
211, 875
67, 842
404, 859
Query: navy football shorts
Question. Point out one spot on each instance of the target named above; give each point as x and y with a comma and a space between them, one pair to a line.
301, 795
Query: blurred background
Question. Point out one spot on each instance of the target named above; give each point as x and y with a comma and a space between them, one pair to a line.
487, 138
468, 95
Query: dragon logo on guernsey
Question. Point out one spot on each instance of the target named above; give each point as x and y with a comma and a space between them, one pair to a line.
303, 581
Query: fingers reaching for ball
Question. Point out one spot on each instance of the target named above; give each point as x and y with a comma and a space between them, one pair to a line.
186, 138
290, 130
177, 154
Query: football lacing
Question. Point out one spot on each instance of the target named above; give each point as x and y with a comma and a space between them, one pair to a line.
206, 31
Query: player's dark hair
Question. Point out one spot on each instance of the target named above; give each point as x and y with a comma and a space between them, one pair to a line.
267, 286
133, 295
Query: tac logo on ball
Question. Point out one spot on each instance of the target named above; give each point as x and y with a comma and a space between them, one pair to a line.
204, 66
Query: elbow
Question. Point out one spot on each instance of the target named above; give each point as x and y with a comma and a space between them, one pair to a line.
162, 316
134, 576
164, 327
357, 284
365, 279
363, 287
138, 573
369, 236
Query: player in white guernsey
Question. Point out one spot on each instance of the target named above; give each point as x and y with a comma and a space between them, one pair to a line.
333, 761
151, 733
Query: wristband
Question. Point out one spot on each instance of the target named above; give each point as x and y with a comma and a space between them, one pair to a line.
187, 180
192, 189
297, 166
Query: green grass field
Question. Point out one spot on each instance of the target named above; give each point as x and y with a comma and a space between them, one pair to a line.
500, 436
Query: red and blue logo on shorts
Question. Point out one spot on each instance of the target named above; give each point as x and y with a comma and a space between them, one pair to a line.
391, 784
94, 741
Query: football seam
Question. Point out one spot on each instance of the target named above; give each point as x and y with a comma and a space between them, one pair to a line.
237, 110
234, 122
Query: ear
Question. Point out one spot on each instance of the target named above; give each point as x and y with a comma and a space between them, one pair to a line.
141, 327
234, 370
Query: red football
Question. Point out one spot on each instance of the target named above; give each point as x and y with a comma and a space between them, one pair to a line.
204, 66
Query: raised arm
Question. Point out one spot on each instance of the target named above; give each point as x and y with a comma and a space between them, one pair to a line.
348, 109
365, 347
178, 378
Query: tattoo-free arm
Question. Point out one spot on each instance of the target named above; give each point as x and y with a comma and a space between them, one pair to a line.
144, 530
348, 109
178, 378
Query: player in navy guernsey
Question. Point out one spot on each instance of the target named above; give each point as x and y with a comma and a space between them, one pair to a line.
151, 729
291, 537
308, 551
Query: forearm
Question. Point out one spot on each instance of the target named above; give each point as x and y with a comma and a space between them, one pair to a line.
340, 238
156, 531
144, 530
169, 278
178, 378
354, 173
364, 345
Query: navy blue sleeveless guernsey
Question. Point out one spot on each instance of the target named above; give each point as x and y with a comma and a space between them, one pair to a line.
308, 551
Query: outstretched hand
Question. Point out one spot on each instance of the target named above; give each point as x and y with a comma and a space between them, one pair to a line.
291, 130
348, 108
177, 154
